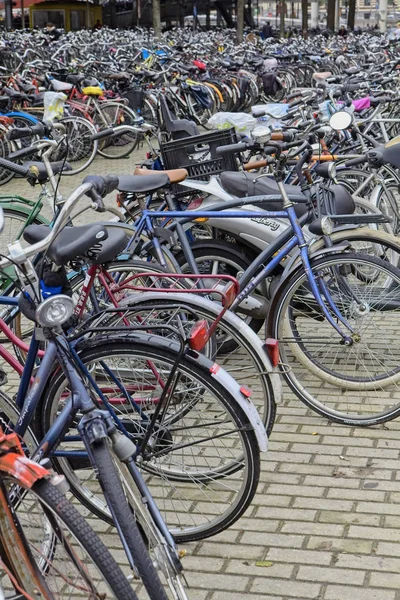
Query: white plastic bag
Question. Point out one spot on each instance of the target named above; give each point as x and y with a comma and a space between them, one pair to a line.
240, 121
277, 110
54, 105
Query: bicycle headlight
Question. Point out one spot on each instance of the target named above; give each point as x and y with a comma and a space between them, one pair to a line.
54, 311
327, 225
332, 170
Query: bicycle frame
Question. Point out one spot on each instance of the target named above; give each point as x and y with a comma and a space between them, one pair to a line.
274, 254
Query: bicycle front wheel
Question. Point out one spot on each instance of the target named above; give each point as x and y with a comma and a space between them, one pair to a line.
65, 555
356, 384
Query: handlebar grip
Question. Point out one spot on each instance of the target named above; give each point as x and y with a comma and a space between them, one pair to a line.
101, 186
356, 161
10, 166
256, 164
102, 134
231, 148
257, 113
21, 132
295, 103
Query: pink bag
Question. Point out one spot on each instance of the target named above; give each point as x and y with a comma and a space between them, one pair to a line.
361, 104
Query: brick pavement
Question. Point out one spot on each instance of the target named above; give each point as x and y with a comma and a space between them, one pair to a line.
325, 523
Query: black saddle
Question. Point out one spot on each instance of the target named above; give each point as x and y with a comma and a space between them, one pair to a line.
73, 242
75, 79
142, 184
243, 184
42, 175
36, 99
14, 94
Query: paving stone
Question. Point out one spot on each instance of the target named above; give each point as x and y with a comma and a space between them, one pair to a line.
341, 592
327, 575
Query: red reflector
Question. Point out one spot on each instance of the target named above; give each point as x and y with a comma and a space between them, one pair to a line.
215, 368
246, 391
148, 155
272, 347
229, 295
198, 336
195, 203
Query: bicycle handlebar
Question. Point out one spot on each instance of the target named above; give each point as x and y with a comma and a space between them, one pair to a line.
93, 186
356, 161
18, 169
17, 133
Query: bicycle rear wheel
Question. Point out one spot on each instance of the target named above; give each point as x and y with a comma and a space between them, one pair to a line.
204, 465
357, 384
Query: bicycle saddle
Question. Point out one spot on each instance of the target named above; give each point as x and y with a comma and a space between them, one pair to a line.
73, 242
61, 86
143, 184
42, 175
174, 175
36, 99
243, 184
28, 88
75, 79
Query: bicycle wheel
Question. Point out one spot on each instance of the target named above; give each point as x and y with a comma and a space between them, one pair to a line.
182, 311
114, 114
66, 556
5, 149
78, 148
204, 467
112, 487
357, 384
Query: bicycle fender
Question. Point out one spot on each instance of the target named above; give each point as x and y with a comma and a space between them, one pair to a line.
242, 394
251, 337
295, 261
23, 469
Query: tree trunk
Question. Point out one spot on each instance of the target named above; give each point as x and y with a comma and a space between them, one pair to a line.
304, 17
351, 14
239, 20
330, 20
282, 6
157, 18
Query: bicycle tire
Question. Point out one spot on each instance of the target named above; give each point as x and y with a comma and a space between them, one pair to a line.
112, 486
80, 130
240, 453
55, 504
123, 116
313, 375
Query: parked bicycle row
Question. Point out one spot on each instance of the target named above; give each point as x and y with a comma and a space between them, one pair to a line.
136, 323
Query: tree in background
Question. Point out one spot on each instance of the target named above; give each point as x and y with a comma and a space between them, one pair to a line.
330, 20
239, 20
304, 17
351, 14
157, 18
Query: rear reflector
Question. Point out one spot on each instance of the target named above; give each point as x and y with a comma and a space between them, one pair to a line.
272, 346
199, 335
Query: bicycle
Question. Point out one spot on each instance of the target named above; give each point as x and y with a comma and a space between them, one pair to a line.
46, 546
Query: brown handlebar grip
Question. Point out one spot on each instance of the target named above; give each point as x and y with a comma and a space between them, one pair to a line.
257, 164
277, 137
324, 157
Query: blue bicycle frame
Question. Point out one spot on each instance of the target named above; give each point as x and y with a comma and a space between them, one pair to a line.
298, 240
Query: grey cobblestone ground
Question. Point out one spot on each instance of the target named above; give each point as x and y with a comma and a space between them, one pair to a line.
325, 523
